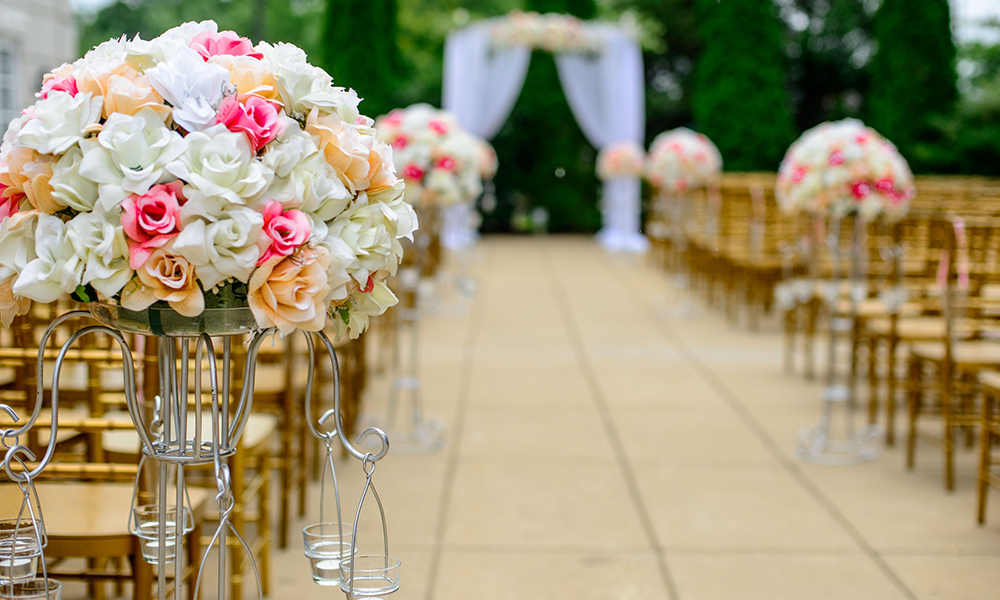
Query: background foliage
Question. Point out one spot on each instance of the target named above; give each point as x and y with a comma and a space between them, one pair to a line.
753, 88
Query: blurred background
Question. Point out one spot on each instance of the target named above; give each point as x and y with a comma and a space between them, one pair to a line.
751, 74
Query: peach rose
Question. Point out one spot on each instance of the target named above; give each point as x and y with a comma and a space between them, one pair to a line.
343, 146
249, 75
12, 176
383, 184
165, 276
37, 173
11, 305
287, 292
129, 96
94, 78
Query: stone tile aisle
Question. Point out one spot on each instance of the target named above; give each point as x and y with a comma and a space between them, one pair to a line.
599, 453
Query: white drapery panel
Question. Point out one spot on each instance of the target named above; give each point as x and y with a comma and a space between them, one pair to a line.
481, 84
607, 96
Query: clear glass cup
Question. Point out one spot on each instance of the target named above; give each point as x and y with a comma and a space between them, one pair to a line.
325, 547
147, 528
22, 528
18, 557
32, 589
375, 575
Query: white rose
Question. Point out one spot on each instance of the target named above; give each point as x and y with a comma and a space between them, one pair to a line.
146, 54
303, 179
13, 128
59, 121
222, 245
129, 155
193, 87
372, 230
111, 52
341, 259
57, 269
302, 86
69, 186
98, 239
363, 308
17, 240
220, 167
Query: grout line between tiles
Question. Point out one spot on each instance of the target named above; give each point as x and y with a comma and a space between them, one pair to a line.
465, 380
611, 430
772, 445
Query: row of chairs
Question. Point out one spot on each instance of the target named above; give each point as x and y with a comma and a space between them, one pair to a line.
87, 489
929, 319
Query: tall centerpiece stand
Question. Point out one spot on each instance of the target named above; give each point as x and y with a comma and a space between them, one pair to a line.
680, 163
185, 426
849, 173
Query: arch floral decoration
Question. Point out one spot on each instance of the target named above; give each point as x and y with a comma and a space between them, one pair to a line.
601, 72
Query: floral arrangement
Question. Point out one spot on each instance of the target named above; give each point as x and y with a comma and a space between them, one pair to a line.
488, 161
681, 160
552, 32
620, 159
196, 170
438, 160
842, 167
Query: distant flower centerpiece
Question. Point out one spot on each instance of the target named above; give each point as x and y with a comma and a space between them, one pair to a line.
197, 170
439, 161
620, 159
681, 160
488, 161
843, 167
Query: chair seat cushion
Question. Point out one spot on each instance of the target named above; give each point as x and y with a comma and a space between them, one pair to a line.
973, 354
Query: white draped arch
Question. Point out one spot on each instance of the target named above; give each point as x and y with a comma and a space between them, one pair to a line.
605, 92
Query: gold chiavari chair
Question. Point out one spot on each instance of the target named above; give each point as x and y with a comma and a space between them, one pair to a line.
989, 381
953, 364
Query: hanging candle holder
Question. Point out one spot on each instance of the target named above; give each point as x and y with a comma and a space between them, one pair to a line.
23, 538
360, 575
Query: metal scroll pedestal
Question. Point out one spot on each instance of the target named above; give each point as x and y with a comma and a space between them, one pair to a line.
817, 443
178, 431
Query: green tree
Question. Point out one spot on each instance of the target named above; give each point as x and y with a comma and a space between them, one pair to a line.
912, 76
370, 67
544, 158
738, 96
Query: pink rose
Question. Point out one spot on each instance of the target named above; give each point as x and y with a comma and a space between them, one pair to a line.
400, 142
447, 163
413, 172
209, 44
55, 83
861, 189
836, 158
151, 220
255, 117
799, 174
439, 126
394, 118
284, 232
885, 185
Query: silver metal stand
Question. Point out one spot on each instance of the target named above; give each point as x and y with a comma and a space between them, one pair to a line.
176, 437
678, 303
817, 443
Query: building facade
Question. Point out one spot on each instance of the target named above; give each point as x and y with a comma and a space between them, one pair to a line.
35, 37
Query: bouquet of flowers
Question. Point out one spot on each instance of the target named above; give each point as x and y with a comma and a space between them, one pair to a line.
552, 32
842, 167
681, 160
488, 161
620, 159
197, 170
438, 160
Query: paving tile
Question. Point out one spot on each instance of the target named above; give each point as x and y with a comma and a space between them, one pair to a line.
559, 433
781, 577
949, 577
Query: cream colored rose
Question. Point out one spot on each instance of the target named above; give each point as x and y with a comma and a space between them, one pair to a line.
345, 149
383, 184
129, 95
59, 121
11, 305
165, 276
37, 188
249, 75
288, 292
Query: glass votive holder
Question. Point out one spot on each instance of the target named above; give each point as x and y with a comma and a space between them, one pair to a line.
325, 547
147, 528
375, 575
22, 528
18, 557
32, 589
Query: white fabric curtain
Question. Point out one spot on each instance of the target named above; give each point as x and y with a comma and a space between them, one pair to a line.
607, 96
482, 84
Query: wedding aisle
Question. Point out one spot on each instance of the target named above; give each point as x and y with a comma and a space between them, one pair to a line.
596, 452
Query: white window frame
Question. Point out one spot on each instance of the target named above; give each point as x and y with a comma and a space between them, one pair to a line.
11, 82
